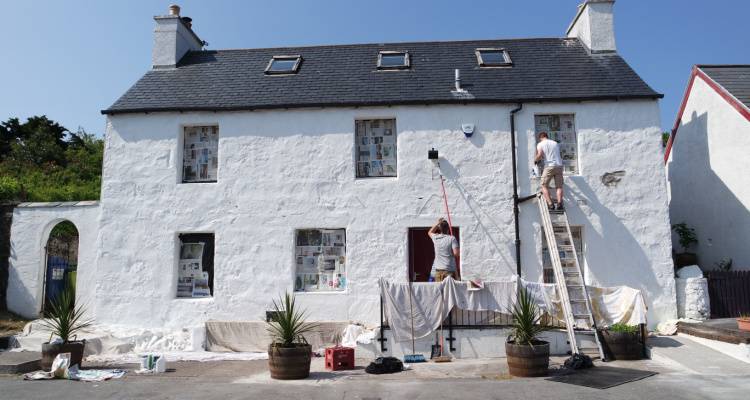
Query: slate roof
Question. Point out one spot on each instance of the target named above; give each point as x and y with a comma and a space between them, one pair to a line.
734, 78
546, 69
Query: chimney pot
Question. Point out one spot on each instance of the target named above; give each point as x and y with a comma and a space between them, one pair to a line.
174, 9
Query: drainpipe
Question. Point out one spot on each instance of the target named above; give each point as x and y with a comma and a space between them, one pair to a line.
515, 185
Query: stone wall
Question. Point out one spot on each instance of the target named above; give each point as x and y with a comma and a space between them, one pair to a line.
32, 224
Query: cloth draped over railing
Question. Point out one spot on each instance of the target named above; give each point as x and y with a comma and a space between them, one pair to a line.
432, 302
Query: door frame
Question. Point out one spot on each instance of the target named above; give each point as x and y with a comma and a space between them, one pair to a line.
410, 251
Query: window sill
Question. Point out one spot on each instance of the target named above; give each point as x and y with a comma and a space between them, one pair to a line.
539, 178
321, 293
194, 299
375, 178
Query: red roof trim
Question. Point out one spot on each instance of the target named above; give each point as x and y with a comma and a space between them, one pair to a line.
716, 87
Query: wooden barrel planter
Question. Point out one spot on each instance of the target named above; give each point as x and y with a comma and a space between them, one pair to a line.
51, 350
622, 345
528, 361
289, 362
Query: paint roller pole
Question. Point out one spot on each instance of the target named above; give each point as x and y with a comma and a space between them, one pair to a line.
445, 199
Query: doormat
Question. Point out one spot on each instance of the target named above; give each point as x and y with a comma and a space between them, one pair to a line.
601, 377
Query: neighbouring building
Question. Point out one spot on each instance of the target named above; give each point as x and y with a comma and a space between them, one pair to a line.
231, 176
706, 162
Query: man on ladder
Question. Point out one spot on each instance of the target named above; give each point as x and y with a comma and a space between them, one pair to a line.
549, 151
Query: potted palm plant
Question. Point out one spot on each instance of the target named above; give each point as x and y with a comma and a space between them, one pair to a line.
64, 320
622, 342
527, 355
289, 354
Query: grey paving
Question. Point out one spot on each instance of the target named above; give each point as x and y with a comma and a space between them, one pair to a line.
462, 379
346, 75
688, 356
17, 362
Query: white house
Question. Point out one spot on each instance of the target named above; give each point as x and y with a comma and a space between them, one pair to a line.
231, 176
708, 181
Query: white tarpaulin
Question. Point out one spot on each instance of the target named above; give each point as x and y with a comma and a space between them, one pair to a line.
617, 304
432, 302
610, 305
427, 308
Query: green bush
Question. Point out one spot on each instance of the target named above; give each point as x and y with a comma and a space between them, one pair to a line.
42, 161
623, 328
9, 188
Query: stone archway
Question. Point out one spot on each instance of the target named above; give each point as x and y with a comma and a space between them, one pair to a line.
61, 261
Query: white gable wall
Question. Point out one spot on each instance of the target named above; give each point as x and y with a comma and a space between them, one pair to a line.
625, 226
710, 188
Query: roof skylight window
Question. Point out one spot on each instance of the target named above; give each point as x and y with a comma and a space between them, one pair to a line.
493, 58
393, 60
283, 65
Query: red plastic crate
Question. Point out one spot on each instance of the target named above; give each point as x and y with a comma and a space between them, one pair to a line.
339, 358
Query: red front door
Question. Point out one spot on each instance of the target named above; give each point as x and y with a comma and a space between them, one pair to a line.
422, 252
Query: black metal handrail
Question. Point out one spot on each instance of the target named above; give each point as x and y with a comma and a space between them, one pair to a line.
464, 319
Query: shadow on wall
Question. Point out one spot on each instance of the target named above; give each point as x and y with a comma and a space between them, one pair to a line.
702, 200
615, 242
502, 246
24, 302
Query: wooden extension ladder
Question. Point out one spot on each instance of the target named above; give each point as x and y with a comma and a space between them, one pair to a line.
574, 296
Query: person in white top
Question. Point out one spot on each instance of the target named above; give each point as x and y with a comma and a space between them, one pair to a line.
548, 150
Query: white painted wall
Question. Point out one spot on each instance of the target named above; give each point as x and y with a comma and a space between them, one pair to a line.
625, 227
284, 170
710, 188
32, 224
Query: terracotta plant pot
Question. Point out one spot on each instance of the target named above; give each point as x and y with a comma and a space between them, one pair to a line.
743, 324
621, 345
51, 350
289, 362
685, 259
526, 361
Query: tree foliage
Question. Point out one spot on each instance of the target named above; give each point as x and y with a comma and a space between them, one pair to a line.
40, 160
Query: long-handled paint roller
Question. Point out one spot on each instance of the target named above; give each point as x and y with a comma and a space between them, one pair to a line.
413, 357
442, 357
445, 198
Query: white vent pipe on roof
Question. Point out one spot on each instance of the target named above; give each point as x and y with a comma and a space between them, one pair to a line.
458, 81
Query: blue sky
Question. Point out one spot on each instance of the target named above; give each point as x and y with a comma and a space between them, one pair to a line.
71, 59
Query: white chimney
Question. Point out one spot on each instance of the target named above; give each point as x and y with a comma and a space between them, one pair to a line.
594, 26
173, 37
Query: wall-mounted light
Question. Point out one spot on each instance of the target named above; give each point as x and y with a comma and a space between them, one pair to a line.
432, 154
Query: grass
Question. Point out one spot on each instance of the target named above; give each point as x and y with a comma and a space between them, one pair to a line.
10, 323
